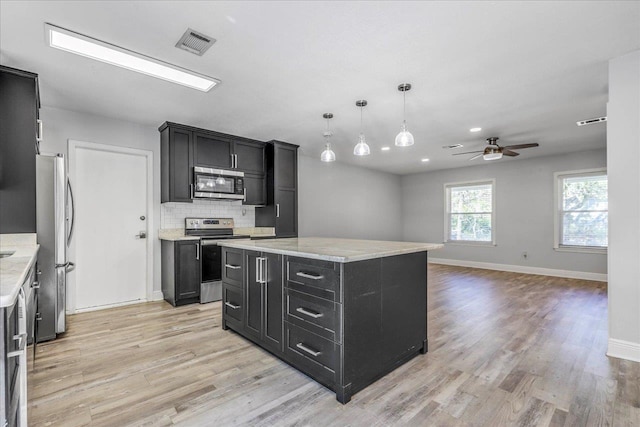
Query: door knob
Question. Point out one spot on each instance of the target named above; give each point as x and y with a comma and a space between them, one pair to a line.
141, 235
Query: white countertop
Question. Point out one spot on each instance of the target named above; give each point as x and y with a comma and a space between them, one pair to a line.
332, 249
15, 268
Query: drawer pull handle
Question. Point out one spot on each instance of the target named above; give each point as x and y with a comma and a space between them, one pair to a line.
228, 304
309, 276
308, 350
309, 313
233, 267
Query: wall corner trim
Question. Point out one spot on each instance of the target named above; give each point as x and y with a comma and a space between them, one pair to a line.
570, 274
624, 350
157, 296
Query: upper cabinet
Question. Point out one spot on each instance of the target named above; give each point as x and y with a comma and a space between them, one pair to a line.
20, 132
281, 211
183, 147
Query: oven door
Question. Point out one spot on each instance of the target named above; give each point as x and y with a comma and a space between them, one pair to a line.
211, 261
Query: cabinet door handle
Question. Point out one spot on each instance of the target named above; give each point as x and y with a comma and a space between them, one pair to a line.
258, 267
308, 350
228, 304
277, 210
39, 136
309, 276
233, 267
35, 285
197, 251
244, 192
191, 190
313, 314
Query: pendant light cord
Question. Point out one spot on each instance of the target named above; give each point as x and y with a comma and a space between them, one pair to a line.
361, 119
404, 105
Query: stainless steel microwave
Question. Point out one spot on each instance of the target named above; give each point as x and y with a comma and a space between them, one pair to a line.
218, 184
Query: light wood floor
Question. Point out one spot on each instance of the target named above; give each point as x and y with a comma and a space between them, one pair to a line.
505, 349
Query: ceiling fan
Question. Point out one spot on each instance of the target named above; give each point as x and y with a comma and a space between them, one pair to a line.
493, 151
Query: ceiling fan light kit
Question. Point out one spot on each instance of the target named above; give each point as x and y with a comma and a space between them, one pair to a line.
328, 154
404, 138
361, 148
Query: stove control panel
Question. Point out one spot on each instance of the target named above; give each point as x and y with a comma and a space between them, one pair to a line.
207, 223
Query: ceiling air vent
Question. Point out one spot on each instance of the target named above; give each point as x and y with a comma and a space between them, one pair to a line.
592, 121
195, 42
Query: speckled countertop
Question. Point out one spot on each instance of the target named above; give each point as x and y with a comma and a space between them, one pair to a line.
15, 268
332, 249
175, 234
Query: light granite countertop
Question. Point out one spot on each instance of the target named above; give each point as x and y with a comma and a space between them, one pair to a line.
332, 249
177, 234
15, 268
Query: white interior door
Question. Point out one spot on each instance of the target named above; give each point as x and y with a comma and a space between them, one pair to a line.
111, 211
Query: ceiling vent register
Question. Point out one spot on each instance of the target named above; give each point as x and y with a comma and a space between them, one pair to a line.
591, 121
195, 42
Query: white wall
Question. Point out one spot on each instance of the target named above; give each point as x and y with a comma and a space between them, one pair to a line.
340, 200
623, 162
61, 125
524, 212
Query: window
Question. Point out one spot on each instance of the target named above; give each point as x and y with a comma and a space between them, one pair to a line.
470, 212
582, 215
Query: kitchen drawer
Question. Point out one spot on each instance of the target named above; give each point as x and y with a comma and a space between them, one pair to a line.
316, 277
232, 266
311, 350
233, 305
318, 315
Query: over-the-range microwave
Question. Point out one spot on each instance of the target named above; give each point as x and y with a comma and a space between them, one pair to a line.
218, 184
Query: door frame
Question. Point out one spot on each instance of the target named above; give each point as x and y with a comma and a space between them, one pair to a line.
72, 146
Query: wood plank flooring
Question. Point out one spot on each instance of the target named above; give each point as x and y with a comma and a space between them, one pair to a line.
504, 349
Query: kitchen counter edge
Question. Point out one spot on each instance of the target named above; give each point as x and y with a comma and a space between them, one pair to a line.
13, 272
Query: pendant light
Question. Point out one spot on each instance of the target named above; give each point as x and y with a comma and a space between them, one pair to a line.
404, 138
361, 148
327, 155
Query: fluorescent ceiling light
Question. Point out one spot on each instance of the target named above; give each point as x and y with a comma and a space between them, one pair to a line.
475, 129
386, 148
88, 47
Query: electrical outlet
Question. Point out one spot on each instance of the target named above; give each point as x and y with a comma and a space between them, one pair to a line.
525, 255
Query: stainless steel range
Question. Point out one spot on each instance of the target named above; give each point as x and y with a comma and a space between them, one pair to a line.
211, 231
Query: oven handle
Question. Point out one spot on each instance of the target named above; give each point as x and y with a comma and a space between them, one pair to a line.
209, 242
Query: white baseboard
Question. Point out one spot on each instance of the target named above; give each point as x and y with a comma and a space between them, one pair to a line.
157, 296
599, 277
624, 350
106, 306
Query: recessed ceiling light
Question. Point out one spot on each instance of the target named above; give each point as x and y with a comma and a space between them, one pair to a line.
386, 148
424, 160
475, 129
88, 47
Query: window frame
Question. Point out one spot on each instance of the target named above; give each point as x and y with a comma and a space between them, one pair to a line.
558, 178
447, 212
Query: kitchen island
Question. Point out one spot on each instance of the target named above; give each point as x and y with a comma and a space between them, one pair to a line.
345, 312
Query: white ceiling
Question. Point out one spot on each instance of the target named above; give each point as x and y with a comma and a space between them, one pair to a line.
523, 71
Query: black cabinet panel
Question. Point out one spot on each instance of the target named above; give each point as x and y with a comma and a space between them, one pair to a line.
233, 306
253, 294
18, 128
286, 164
250, 156
180, 165
232, 266
212, 151
286, 213
273, 307
188, 269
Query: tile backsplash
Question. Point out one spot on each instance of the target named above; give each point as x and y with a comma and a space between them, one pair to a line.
172, 215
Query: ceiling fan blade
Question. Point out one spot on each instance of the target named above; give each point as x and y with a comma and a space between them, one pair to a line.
477, 155
468, 152
506, 152
521, 146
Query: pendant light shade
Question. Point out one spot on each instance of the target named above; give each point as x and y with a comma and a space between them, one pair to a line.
404, 138
361, 148
327, 155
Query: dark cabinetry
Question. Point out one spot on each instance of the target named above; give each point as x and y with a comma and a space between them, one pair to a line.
183, 147
181, 271
281, 211
253, 305
19, 134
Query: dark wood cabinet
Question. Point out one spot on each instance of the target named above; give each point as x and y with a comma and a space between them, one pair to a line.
184, 147
181, 275
281, 211
212, 150
19, 133
262, 304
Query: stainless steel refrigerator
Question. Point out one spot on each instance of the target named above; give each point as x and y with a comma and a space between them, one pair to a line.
54, 226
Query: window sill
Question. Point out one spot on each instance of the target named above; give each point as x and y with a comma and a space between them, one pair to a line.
581, 250
469, 243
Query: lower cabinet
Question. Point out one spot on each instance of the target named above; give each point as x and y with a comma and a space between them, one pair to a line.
255, 308
181, 271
